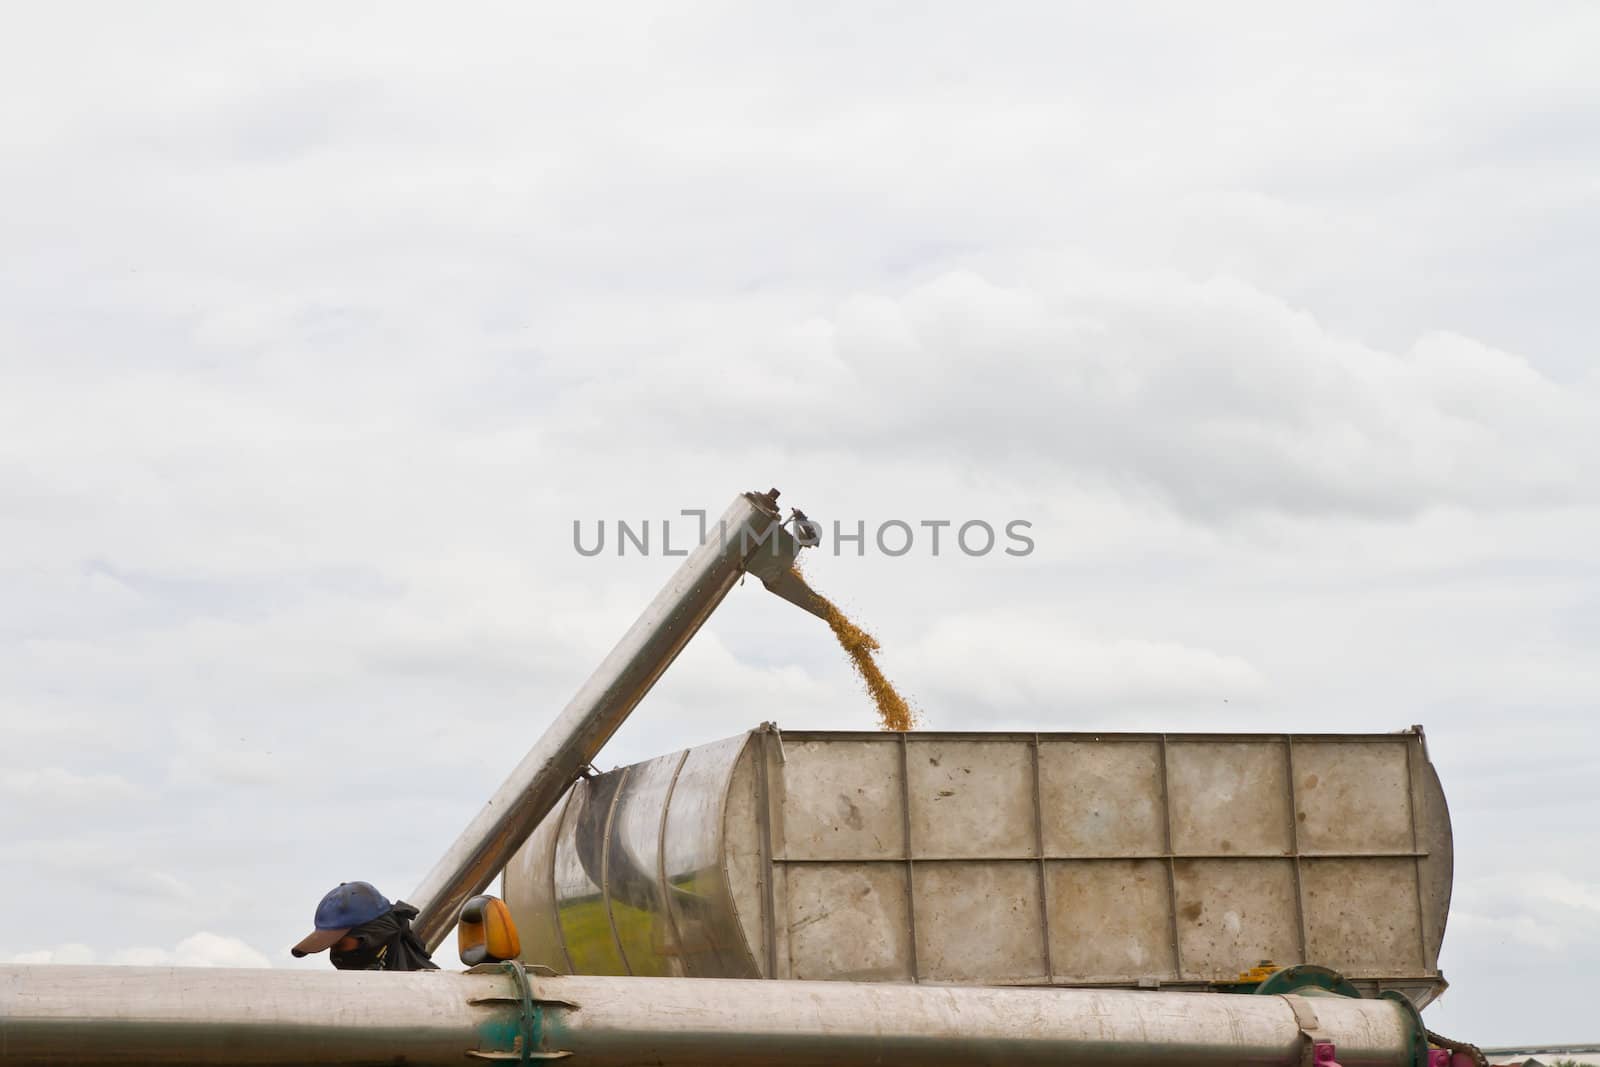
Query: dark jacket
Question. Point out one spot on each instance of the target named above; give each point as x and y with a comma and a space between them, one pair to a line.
387, 943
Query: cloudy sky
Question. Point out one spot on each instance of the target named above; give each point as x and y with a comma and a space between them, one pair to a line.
321, 325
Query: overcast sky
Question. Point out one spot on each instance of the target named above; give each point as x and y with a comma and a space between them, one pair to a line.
320, 326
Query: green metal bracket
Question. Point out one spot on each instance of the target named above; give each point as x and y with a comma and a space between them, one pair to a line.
1307, 979
518, 1040
1419, 1032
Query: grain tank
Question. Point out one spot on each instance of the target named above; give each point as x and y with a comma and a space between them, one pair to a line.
1172, 861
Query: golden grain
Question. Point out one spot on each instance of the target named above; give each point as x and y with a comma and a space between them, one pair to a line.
893, 711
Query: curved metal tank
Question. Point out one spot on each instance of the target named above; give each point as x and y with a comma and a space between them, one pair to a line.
1176, 861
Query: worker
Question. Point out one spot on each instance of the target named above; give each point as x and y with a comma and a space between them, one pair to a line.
364, 932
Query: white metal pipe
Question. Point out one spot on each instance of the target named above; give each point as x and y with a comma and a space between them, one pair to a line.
175, 1015
748, 534
68, 1016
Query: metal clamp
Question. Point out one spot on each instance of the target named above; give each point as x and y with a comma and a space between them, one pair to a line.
530, 1020
1316, 1049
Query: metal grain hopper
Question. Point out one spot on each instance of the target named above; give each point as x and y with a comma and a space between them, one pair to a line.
1141, 860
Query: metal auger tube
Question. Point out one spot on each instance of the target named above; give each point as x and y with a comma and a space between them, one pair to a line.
749, 536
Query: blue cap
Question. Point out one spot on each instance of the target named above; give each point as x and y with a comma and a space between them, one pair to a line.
343, 908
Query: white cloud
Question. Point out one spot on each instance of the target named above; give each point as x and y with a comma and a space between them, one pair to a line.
1518, 933
1569, 893
1025, 665
1516, 924
200, 949
71, 952
58, 786
1211, 395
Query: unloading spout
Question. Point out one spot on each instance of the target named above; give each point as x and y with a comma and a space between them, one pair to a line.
750, 536
780, 574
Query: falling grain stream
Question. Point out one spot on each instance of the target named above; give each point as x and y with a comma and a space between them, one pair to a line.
893, 711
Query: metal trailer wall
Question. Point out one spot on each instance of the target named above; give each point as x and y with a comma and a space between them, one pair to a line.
71, 1016
1157, 860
